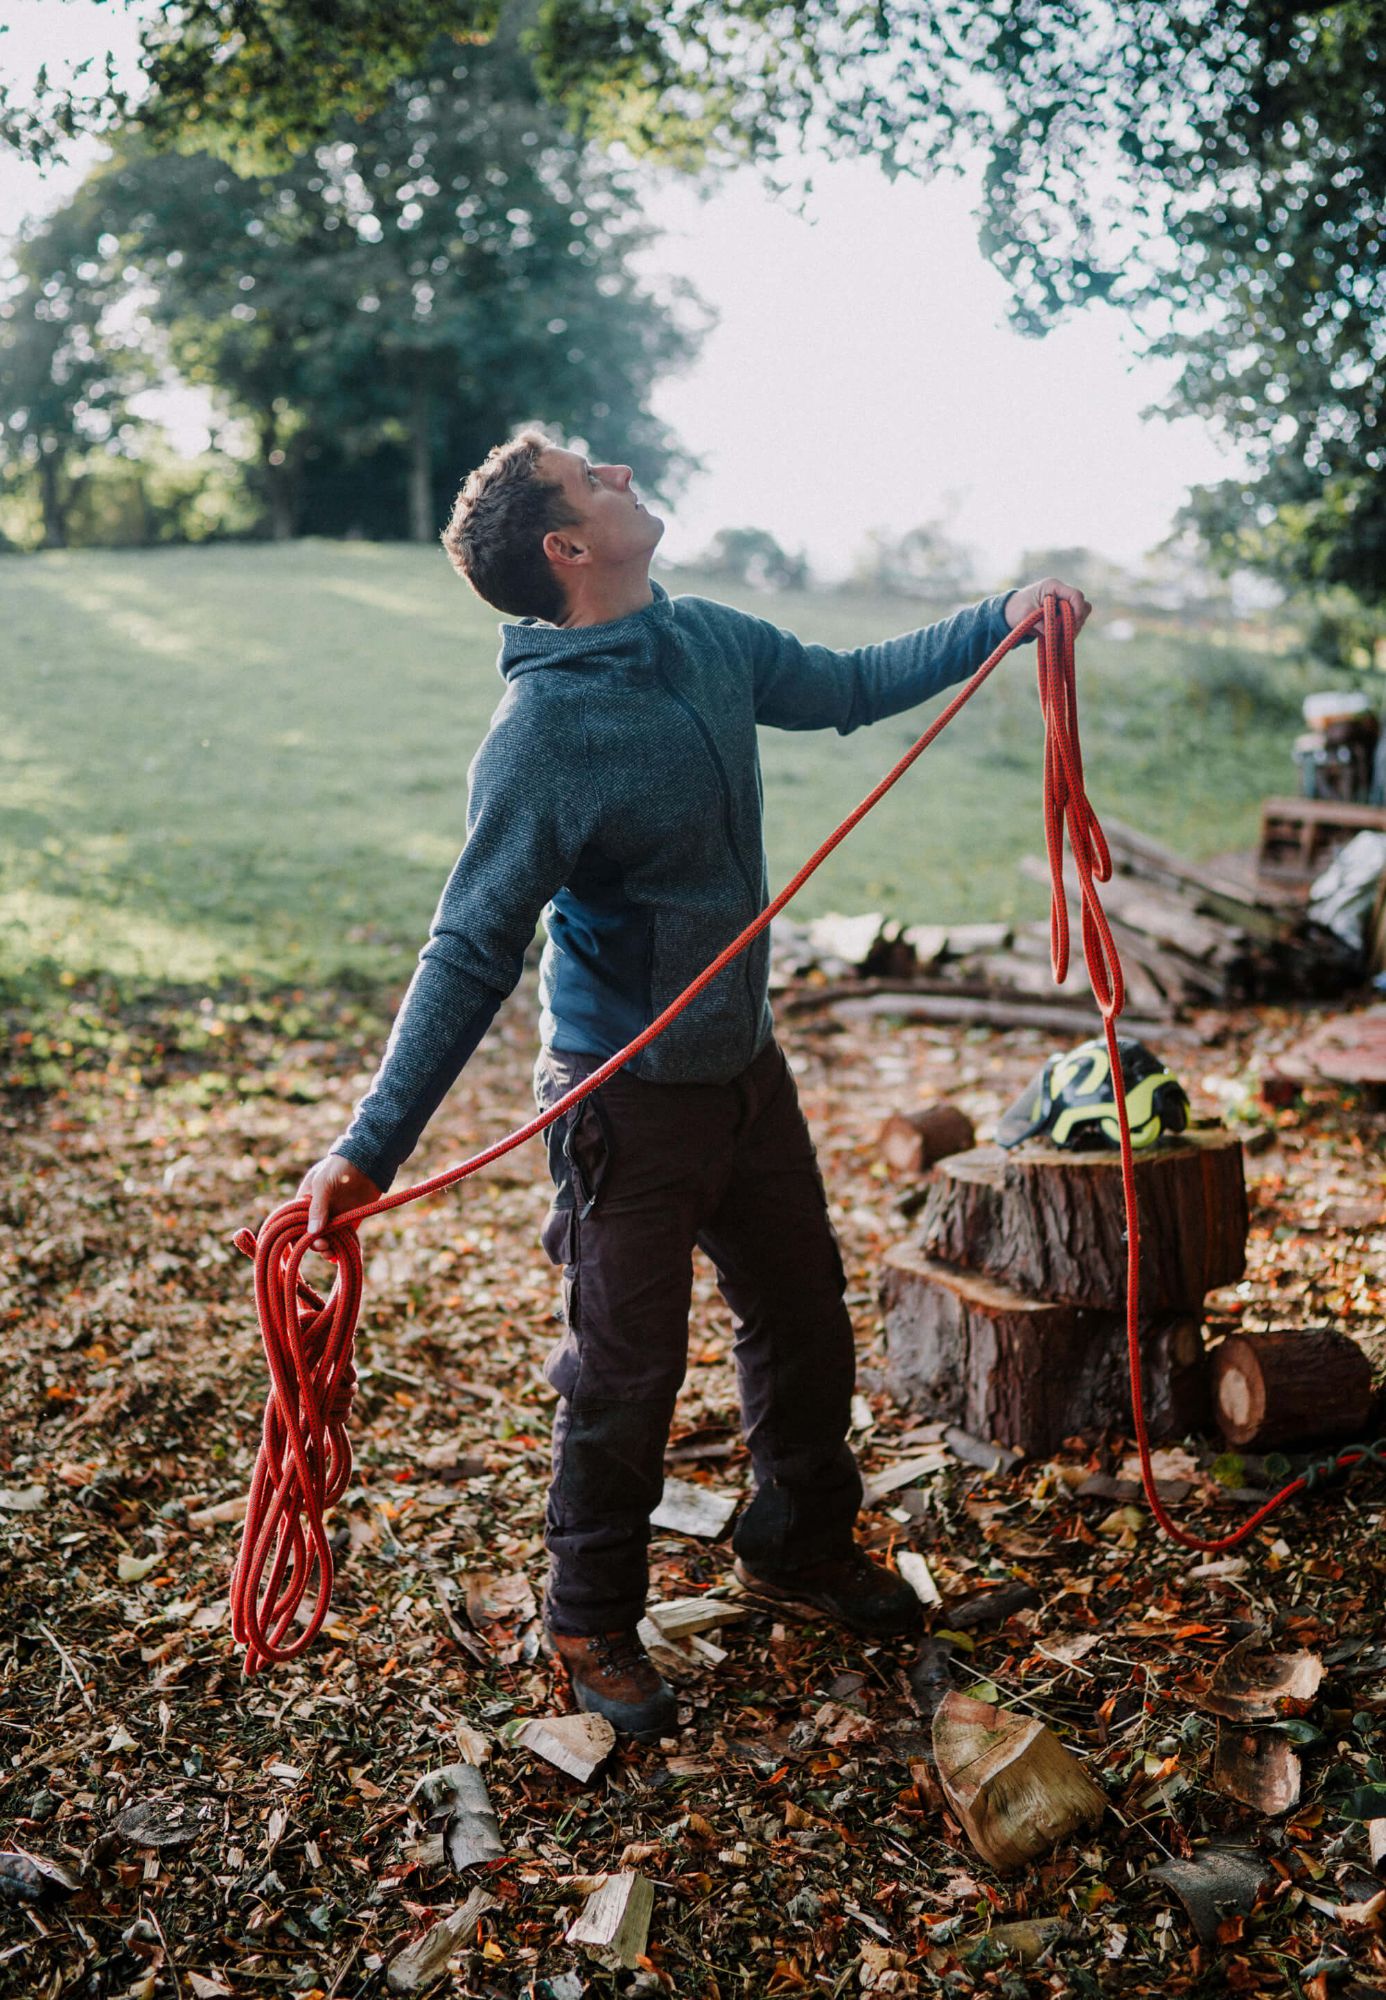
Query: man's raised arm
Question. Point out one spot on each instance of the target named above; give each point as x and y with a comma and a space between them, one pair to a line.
800, 686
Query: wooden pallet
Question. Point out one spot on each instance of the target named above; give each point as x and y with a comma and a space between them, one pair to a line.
1299, 837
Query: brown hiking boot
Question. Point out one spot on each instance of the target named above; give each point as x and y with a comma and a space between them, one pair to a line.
851, 1588
613, 1675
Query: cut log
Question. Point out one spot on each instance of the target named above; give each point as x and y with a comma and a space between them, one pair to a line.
1012, 1783
1161, 915
1026, 1371
911, 1141
1030, 977
1291, 1385
1053, 1223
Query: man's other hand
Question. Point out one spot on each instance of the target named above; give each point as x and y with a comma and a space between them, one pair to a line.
332, 1188
1022, 602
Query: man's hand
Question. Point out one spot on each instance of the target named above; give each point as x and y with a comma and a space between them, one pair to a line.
333, 1187
1021, 603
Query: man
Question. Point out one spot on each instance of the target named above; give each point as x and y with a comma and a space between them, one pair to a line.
618, 793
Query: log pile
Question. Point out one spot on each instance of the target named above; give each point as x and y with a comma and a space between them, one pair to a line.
1191, 935
1006, 1314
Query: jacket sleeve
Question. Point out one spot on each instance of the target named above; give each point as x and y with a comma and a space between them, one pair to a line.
799, 686
526, 825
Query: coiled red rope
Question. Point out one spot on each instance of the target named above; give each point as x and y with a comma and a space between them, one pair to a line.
304, 1460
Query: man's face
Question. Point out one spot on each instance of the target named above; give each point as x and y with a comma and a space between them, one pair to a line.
612, 525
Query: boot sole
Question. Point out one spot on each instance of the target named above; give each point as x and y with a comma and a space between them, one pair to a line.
647, 1732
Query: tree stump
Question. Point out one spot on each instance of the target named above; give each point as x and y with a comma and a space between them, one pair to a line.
965, 1349
911, 1141
1052, 1224
1291, 1385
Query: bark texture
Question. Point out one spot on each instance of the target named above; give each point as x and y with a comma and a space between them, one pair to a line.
1053, 1224
1029, 1372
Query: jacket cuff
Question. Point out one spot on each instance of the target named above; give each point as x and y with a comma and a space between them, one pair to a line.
371, 1163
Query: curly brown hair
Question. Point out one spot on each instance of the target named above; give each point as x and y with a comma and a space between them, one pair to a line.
495, 538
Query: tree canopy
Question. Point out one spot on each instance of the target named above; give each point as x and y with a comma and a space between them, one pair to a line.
383, 309
1215, 169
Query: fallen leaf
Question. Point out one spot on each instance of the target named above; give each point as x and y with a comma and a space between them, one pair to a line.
493, 1599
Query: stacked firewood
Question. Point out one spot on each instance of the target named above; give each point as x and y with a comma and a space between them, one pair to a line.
1006, 1314
1190, 935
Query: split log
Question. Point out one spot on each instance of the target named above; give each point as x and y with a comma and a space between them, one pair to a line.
459, 1807
688, 1509
1053, 1223
1012, 1783
678, 1618
1290, 1386
615, 1921
911, 1141
1028, 1371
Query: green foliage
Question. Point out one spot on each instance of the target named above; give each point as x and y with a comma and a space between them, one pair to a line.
385, 309
64, 384
1215, 170
250, 761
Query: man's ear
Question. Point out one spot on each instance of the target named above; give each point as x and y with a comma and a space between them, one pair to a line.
563, 550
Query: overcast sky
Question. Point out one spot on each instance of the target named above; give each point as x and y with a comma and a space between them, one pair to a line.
861, 374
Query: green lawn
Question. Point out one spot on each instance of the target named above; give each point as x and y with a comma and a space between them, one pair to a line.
250, 761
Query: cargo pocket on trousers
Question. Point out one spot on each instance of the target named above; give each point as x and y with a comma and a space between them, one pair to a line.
559, 1239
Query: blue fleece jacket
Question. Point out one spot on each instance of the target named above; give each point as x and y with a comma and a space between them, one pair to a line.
618, 793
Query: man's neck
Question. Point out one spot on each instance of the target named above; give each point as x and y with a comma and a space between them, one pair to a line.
597, 600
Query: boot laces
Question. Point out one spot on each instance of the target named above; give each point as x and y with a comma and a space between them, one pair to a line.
619, 1652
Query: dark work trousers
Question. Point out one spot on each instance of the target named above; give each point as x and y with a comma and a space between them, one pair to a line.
642, 1173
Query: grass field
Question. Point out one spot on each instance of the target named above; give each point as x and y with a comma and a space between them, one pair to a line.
249, 761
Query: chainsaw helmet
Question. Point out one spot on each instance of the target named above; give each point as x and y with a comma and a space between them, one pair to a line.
1072, 1102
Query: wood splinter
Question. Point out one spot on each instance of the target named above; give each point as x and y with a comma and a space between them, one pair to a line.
615, 1921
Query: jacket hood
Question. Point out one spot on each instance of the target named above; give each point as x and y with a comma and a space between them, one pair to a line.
634, 640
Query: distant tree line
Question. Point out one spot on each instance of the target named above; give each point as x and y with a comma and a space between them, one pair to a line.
929, 566
368, 320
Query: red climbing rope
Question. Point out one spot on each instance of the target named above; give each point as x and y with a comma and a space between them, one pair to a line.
304, 1461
